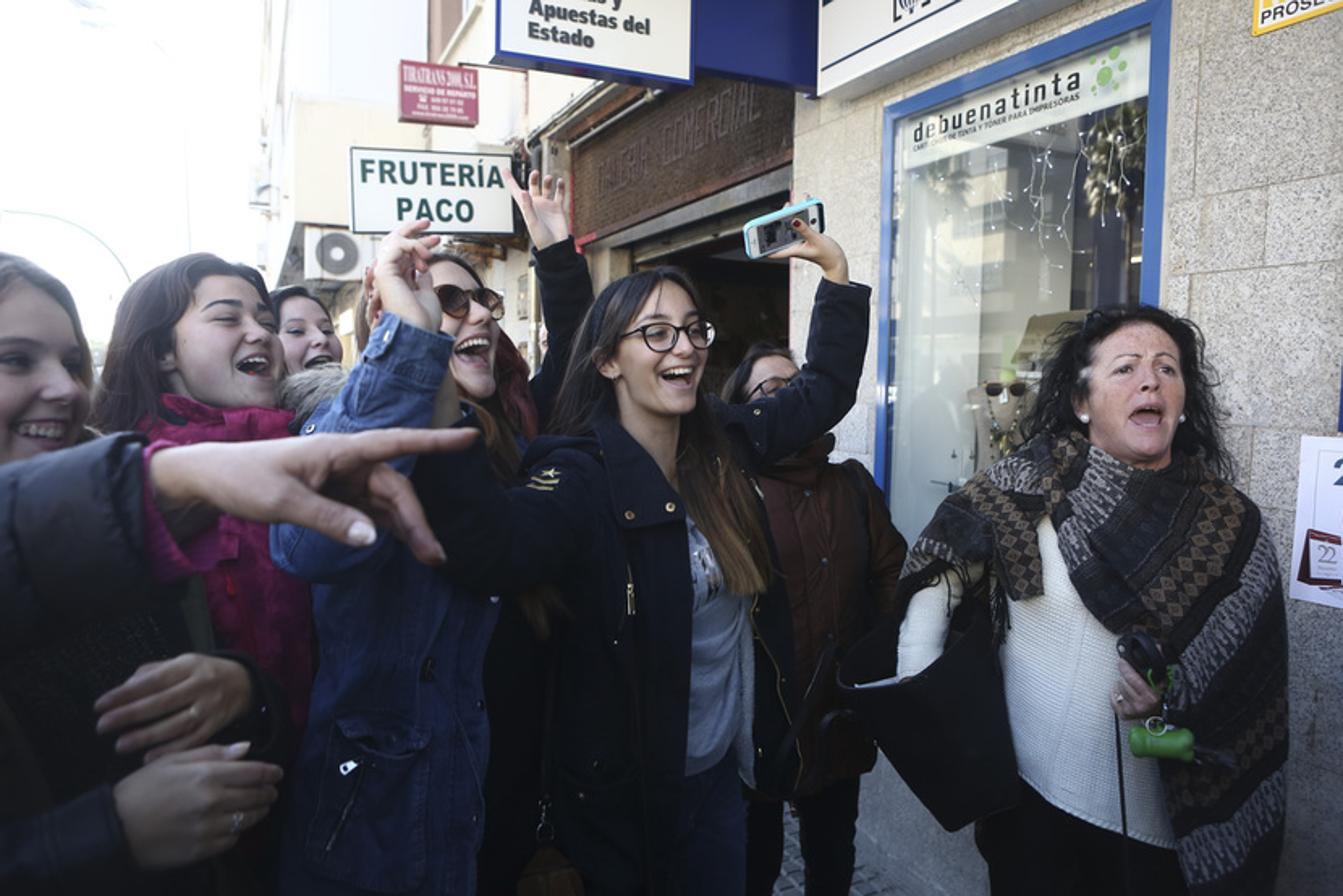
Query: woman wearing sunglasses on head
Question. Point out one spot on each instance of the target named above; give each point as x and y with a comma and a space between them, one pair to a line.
389, 788
673, 680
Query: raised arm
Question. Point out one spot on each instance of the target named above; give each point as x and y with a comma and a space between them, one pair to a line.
395, 383
827, 385
562, 274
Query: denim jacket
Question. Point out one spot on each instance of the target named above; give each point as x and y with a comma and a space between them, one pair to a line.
398, 704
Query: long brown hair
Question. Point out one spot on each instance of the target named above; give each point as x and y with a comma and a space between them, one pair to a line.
717, 494
143, 332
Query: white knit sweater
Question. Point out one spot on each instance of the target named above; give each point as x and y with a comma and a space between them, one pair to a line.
1059, 669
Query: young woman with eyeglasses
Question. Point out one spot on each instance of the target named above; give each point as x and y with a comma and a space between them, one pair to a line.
673, 682
840, 557
390, 788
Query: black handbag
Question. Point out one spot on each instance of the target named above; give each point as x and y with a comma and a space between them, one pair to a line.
944, 730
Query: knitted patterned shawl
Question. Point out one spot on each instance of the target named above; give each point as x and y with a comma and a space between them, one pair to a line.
1183, 556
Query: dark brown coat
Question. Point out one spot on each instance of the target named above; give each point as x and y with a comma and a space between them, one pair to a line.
841, 558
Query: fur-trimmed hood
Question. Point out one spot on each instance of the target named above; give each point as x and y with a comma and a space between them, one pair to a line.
303, 392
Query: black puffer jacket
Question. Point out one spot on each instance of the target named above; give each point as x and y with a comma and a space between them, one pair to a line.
598, 520
78, 613
67, 520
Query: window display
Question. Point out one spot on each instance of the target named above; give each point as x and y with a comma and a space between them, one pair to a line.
1015, 207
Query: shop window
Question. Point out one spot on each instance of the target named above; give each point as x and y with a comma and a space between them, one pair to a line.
1013, 206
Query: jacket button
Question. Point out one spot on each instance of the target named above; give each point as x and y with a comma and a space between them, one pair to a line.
480, 704
756, 412
671, 506
387, 336
806, 493
825, 561
310, 429
582, 796
760, 752
629, 514
427, 669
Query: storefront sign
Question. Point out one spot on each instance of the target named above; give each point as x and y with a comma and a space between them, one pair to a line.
1270, 15
1037, 99
682, 148
459, 192
439, 94
1317, 546
864, 44
620, 40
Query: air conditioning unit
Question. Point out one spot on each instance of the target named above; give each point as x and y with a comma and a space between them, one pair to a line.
333, 254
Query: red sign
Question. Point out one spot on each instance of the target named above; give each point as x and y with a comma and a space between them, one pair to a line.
439, 94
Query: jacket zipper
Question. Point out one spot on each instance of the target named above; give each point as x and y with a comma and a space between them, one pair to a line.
349, 802
778, 688
630, 609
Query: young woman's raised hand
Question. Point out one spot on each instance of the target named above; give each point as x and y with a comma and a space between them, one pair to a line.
175, 704
400, 272
330, 483
543, 207
189, 806
819, 249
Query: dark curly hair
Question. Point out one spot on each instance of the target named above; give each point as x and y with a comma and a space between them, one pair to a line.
1065, 381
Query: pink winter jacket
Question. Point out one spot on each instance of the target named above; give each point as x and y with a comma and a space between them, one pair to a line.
256, 608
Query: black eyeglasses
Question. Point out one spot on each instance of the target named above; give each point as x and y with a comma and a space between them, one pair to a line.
663, 337
768, 386
456, 301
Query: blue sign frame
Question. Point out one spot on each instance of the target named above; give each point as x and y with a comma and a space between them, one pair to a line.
1154, 14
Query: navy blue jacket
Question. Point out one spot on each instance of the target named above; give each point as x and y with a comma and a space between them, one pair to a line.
598, 519
388, 788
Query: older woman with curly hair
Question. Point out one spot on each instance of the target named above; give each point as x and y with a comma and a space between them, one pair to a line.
1116, 517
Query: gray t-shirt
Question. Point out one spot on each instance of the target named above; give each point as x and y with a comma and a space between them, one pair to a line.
719, 628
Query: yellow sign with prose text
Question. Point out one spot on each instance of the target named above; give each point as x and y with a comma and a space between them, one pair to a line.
1270, 15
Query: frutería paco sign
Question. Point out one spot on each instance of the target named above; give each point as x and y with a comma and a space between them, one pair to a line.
459, 192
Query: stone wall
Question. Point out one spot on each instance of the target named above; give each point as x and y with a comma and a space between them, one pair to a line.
1253, 252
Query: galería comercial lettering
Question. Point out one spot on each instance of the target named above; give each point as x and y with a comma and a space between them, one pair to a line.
569, 23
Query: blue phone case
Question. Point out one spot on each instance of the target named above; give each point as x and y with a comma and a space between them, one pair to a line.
811, 210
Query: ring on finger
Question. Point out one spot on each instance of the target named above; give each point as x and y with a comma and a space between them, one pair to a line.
1119, 698
235, 823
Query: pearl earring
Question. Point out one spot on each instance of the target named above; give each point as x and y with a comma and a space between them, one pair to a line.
1182, 418
1085, 418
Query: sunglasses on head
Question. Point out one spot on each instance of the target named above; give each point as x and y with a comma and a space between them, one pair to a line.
1016, 388
456, 301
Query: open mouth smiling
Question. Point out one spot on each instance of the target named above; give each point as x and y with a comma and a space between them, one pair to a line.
44, 430
474, 347
254, 365
678, 375
318, 360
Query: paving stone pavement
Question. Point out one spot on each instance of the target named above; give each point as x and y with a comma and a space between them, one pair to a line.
866, 880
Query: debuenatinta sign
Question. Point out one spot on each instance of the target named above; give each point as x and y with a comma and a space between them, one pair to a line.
459, 192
